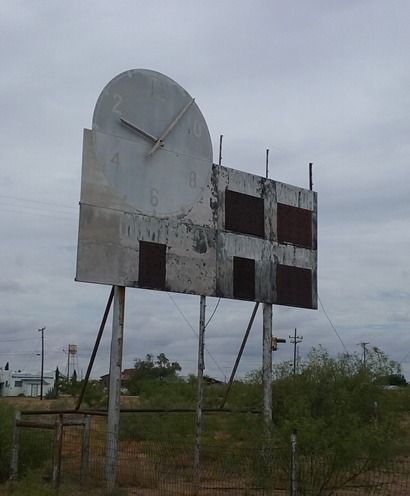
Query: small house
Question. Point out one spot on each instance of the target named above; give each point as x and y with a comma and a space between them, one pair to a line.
20, 383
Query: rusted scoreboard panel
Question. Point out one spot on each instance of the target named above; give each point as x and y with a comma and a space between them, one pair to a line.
248, 237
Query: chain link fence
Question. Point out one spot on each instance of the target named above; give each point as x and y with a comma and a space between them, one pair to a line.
155, 458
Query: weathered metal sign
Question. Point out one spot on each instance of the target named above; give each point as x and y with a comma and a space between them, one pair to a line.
246, 237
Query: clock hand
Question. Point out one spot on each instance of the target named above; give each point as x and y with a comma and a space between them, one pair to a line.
160, 141
138, 130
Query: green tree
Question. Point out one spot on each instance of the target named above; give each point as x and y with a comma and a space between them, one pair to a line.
95, 395
166, 368
346, 421
148, 370
70, 386
396, 379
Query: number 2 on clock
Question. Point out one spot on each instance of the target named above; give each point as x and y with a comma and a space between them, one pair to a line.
116, 106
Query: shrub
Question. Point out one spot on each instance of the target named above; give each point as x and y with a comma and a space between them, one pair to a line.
35, 444
6, 430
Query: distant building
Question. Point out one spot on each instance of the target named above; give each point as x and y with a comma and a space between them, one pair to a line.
20, 383
125, 376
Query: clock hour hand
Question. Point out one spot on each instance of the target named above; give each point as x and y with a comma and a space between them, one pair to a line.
160, 141
139, 131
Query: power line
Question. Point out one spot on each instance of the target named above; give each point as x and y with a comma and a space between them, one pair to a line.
38, 201
213, 313
30, 207
71, 219
331, 323
36, 208
196, 334
13, 340
17, 354
405, 356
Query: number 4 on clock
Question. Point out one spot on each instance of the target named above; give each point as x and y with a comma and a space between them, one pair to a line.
115, 159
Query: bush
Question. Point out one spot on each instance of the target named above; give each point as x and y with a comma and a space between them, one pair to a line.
35, 444
52, 394
95, 395
6, 432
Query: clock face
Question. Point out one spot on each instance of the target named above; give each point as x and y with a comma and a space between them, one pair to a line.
152, 143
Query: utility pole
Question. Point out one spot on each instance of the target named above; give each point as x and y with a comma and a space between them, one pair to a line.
363, 345
42, 361
295, 340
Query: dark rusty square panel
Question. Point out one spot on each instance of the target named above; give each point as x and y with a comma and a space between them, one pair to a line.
294, 286
244, 278
244, 214
152, 265
294, 225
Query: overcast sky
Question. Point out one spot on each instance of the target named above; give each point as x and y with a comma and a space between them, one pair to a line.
322, 81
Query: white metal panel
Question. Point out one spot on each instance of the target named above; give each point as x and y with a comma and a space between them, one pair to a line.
199, 250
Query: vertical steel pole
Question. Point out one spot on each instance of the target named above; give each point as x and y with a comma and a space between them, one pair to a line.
267, 164
220, 149
114, 387
267, 347
200, 392
267, 362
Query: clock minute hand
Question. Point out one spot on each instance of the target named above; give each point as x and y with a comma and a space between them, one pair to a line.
138, 130
160, 141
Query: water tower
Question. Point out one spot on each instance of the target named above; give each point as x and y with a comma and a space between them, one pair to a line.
72, 360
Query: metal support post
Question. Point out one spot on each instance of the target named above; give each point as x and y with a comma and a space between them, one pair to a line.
238, 358
96, 345
114, 387
267, 362
200, 392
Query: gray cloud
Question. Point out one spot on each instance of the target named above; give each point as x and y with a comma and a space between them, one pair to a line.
323, 82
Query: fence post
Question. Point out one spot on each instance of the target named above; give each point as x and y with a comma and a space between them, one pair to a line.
293, 482
15, 447
58, 441
85, 448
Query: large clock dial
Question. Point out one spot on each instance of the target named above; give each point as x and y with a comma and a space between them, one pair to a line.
152, 143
